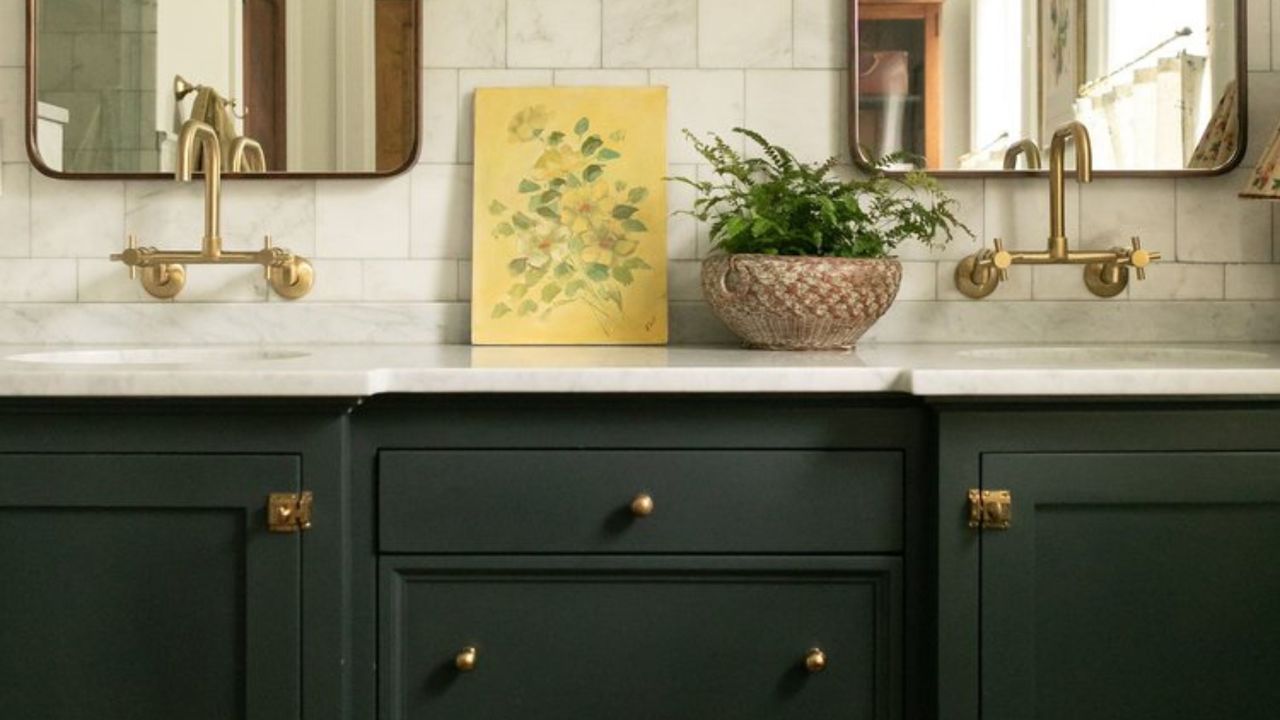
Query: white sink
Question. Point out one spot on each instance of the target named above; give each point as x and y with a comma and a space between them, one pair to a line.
157, 356
1115, 355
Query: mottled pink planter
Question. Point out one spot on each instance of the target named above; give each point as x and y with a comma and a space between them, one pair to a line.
800, 303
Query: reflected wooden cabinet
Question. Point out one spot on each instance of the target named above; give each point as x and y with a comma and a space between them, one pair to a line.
899, 77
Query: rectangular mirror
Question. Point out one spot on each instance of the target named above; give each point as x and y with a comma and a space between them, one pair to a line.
294, 88
977, 87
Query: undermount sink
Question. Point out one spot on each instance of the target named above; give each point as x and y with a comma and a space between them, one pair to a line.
1102, 354
156, 356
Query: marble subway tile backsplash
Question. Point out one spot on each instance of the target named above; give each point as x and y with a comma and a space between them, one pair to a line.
392, 256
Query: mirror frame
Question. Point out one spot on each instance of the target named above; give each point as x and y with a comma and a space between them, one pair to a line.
33, 151
861, 161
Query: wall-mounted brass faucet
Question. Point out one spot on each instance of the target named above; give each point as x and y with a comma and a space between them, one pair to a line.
1106, 273
1027, 147
164, 273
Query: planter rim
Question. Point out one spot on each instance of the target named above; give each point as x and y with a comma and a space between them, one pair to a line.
804, 258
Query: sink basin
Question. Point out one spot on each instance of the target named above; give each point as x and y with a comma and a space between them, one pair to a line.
156, 356
1115, 355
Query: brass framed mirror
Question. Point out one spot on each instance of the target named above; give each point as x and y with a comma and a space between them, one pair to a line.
294, 88
975, 88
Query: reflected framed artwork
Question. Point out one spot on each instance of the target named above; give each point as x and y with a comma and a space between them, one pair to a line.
570, 240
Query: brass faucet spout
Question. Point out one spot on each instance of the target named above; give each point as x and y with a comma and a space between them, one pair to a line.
1079, 135
1027, 147
192, 132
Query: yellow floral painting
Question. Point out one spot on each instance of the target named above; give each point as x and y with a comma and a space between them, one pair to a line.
570, 240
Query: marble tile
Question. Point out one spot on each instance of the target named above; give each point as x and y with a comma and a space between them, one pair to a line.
602, 78
821, 34
701, 101
1017, 287
651, 33
99, 280
757, 35
440, 116
76, 218
1112, 212
1216, 226
13, 143
469, 80
363, 218
1253, 282
682, 230
337, 281
684, 280
553, 33
15, 210
1264, 114
465, 269
1259, 34
1017, 211
801, 110
440, 211
224, 284
1063, 282
919, 281
1173, 281
410, 280
464, 33
44, 280
13, 44
171, 215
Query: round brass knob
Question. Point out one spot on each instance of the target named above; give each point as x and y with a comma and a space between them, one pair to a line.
465, 661
642, 505
815, 661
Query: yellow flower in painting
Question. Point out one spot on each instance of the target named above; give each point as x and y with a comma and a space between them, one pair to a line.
586, 206
606, 243
557, 162
528, 124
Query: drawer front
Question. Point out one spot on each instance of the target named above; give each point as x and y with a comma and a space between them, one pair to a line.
641, 638
582, 501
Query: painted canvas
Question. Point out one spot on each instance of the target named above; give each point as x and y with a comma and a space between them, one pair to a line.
1062, 58
570, 241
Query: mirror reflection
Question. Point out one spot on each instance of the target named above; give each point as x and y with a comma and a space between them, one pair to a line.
290, 86
980, 85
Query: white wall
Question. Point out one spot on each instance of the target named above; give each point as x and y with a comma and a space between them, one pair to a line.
393, 255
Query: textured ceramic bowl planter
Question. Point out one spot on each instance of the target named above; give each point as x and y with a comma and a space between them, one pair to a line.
800, 303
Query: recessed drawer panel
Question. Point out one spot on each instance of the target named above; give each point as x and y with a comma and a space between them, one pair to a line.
641, 638
640, 502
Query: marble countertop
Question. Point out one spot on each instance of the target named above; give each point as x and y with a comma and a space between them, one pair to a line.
922, 370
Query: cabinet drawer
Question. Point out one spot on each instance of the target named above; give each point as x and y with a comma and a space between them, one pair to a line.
641, 638
581, 501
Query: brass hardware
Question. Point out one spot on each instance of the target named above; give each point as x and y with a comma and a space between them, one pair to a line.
815, 661
990, 509
642, 505
247, 155
1027, 147
289, 512
465, 661
164, 272
1106, 273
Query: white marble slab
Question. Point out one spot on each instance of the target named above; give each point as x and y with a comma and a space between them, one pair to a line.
922, 370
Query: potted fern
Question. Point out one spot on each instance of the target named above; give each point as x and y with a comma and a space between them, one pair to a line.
804, 260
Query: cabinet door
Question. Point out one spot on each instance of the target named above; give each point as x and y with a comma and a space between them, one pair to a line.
1133, 586
641, 638
146, 586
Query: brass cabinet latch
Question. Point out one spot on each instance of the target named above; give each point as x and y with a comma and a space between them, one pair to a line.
990, 509
289, 512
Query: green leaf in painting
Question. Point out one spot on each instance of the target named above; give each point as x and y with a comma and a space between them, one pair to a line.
633, 225
620, 186
623, 275
597, 272
563, 270
497, 208
518, 290
624, 212
500, 310
618, 135
637, 195
636, 263
528, 307
608, 154
555, 138
529, 186
582, 127
613, 295
591, 145
575, 287
518, 266
549, 197
505, 229
550, 292
522, 221
592, 173
548, 213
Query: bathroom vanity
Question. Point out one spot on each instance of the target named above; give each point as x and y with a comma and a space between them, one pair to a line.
449, 532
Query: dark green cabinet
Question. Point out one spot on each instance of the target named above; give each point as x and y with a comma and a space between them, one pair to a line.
147, 586
1138, 578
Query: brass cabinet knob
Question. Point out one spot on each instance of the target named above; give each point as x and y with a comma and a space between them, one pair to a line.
815, 661
642, 505
465, 661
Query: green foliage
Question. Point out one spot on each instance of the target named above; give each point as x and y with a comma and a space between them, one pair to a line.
776, 205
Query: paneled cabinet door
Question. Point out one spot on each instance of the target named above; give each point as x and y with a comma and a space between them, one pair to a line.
1133, 586
146, 586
